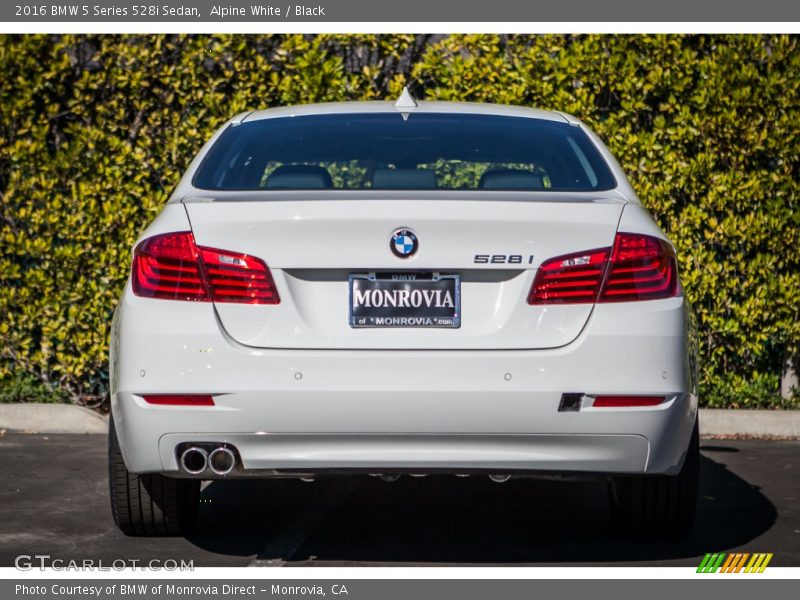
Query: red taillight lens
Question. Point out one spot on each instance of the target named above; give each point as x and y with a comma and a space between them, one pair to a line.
179, 399
167, 266
638, 267
570, 279
622, 401
642, 268
173, 267
238, 278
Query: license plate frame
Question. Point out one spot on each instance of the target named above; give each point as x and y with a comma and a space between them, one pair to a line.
406, 317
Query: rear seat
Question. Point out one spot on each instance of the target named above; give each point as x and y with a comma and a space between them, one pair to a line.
511, 179
299, 177
404, 179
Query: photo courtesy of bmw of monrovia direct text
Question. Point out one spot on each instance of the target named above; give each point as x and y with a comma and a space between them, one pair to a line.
489, 299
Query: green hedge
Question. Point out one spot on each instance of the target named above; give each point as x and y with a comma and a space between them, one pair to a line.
95, 131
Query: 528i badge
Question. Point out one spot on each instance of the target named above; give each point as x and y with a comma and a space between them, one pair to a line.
502, 259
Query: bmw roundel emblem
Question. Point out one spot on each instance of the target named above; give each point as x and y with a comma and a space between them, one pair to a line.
404, 243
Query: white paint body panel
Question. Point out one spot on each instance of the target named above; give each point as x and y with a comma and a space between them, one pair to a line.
342, 237
299, 390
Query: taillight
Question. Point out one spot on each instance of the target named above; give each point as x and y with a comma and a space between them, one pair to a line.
173, 267
642, 268
168, 266
570, 279
638, 267
238, 277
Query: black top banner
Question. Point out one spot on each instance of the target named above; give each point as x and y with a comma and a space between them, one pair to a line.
445, 11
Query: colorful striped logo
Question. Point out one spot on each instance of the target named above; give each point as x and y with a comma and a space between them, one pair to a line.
734, 562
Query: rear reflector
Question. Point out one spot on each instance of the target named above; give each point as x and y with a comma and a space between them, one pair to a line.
622, 401
638, 267
173, 267
180, 399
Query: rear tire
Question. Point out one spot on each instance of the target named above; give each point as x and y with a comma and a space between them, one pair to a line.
658, 506
151, 504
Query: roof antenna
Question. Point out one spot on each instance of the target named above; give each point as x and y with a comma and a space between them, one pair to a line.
405, 103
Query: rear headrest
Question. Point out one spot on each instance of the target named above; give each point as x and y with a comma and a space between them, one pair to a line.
299, 177
404, 179
511, 179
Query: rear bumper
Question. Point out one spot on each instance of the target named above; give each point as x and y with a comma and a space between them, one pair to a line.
302, 410
423, 453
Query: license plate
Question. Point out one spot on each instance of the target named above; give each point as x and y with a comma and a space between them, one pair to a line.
405, 300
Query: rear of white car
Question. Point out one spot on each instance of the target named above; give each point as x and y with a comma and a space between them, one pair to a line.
429, 288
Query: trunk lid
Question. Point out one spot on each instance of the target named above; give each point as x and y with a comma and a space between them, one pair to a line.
313, 246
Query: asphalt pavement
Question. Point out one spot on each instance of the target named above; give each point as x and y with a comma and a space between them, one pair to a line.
54, 501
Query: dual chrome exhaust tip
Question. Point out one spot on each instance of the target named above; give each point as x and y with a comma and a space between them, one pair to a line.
195, 460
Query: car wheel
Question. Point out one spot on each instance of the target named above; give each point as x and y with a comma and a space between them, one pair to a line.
151, 504
658, 505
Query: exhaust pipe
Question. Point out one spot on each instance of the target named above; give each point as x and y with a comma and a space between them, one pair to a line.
221, 460
194, 460
499, 478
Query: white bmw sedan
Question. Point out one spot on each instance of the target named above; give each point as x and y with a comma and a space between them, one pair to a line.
412, 287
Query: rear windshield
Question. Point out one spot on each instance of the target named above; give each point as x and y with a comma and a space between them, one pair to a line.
428, 151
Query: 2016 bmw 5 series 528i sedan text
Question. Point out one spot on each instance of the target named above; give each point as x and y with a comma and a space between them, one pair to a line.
403, 287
